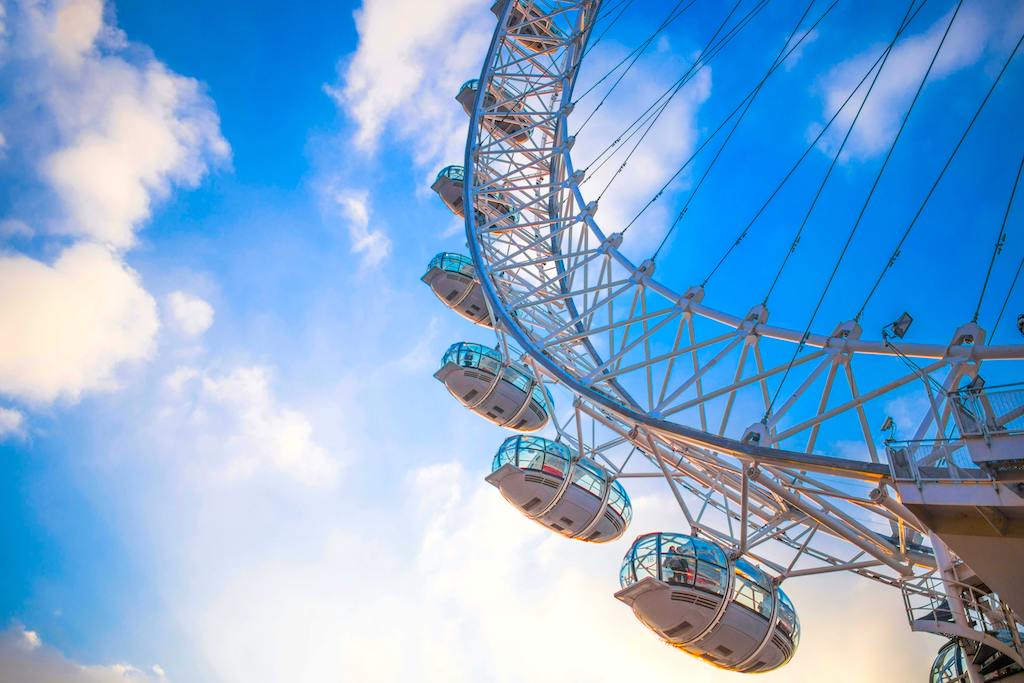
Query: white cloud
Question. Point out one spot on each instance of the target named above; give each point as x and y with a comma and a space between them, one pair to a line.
411, 58
109, 131
67, 326
191, 315
11, 228
115, 133
666, 147
239, 427
443, 581
355, 209
152, 130
12, 423
973, 29
24, 659
74, 28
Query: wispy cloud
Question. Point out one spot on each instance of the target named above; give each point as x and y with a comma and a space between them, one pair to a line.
25, 658
975, 27
355, 209
191, 315
671, 140
12, 423
104, 132
237, 426
404, 74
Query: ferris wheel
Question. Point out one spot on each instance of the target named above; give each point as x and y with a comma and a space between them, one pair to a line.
767, 437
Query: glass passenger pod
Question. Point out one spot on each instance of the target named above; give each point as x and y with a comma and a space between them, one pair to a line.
500, 109
491, 208
578, 499
531, 26
951, 662
950, 665
449, 187
730, 613
453, 280
500, 391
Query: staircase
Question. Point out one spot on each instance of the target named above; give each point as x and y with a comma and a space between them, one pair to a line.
969, 490
985, 630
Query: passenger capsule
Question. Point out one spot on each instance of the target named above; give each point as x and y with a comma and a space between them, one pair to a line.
501, 109
530, 26
453, 280
503, 392
450, 186
730, 613
950, 664
575, 497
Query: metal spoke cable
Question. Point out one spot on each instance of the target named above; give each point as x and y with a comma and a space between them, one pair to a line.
835, 158
749, 103
637, 53
949, 160
864, 206
624, 4
702, 59
1000, 241
721, 126
807, 150
646, 117
1013, 283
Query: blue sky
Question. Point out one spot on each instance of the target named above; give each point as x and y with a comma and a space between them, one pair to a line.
222, 453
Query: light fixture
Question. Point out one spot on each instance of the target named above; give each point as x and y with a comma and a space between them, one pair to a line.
889, 426
898, 328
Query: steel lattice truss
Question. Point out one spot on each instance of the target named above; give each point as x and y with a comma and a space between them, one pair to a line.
662, 385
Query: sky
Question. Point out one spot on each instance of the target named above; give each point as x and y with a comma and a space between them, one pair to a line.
223, 456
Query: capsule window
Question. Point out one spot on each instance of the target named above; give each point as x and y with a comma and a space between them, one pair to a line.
751, 595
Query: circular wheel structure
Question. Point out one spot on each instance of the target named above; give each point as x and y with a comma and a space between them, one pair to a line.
766, 437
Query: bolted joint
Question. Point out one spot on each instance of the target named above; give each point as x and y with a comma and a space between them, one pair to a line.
756, 434
692, 295
644, 271
612, 241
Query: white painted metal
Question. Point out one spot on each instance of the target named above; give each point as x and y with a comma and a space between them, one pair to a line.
653, 369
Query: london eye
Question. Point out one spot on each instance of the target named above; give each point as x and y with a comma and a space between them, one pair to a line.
613, 365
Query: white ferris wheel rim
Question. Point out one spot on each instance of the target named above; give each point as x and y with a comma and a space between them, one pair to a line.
562, 164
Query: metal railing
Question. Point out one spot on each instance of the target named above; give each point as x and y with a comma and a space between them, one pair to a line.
989, 411
930, 608
932, 460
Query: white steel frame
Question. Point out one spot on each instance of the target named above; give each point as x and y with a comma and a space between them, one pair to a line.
637, 355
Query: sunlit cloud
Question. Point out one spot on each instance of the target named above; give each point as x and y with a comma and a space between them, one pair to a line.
355, 210
238, 426
191, 315
976, 26
24, 658
106, 131
68, 325
405, 72
12, 423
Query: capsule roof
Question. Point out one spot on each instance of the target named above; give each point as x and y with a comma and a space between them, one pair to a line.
453, 262
454, 172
